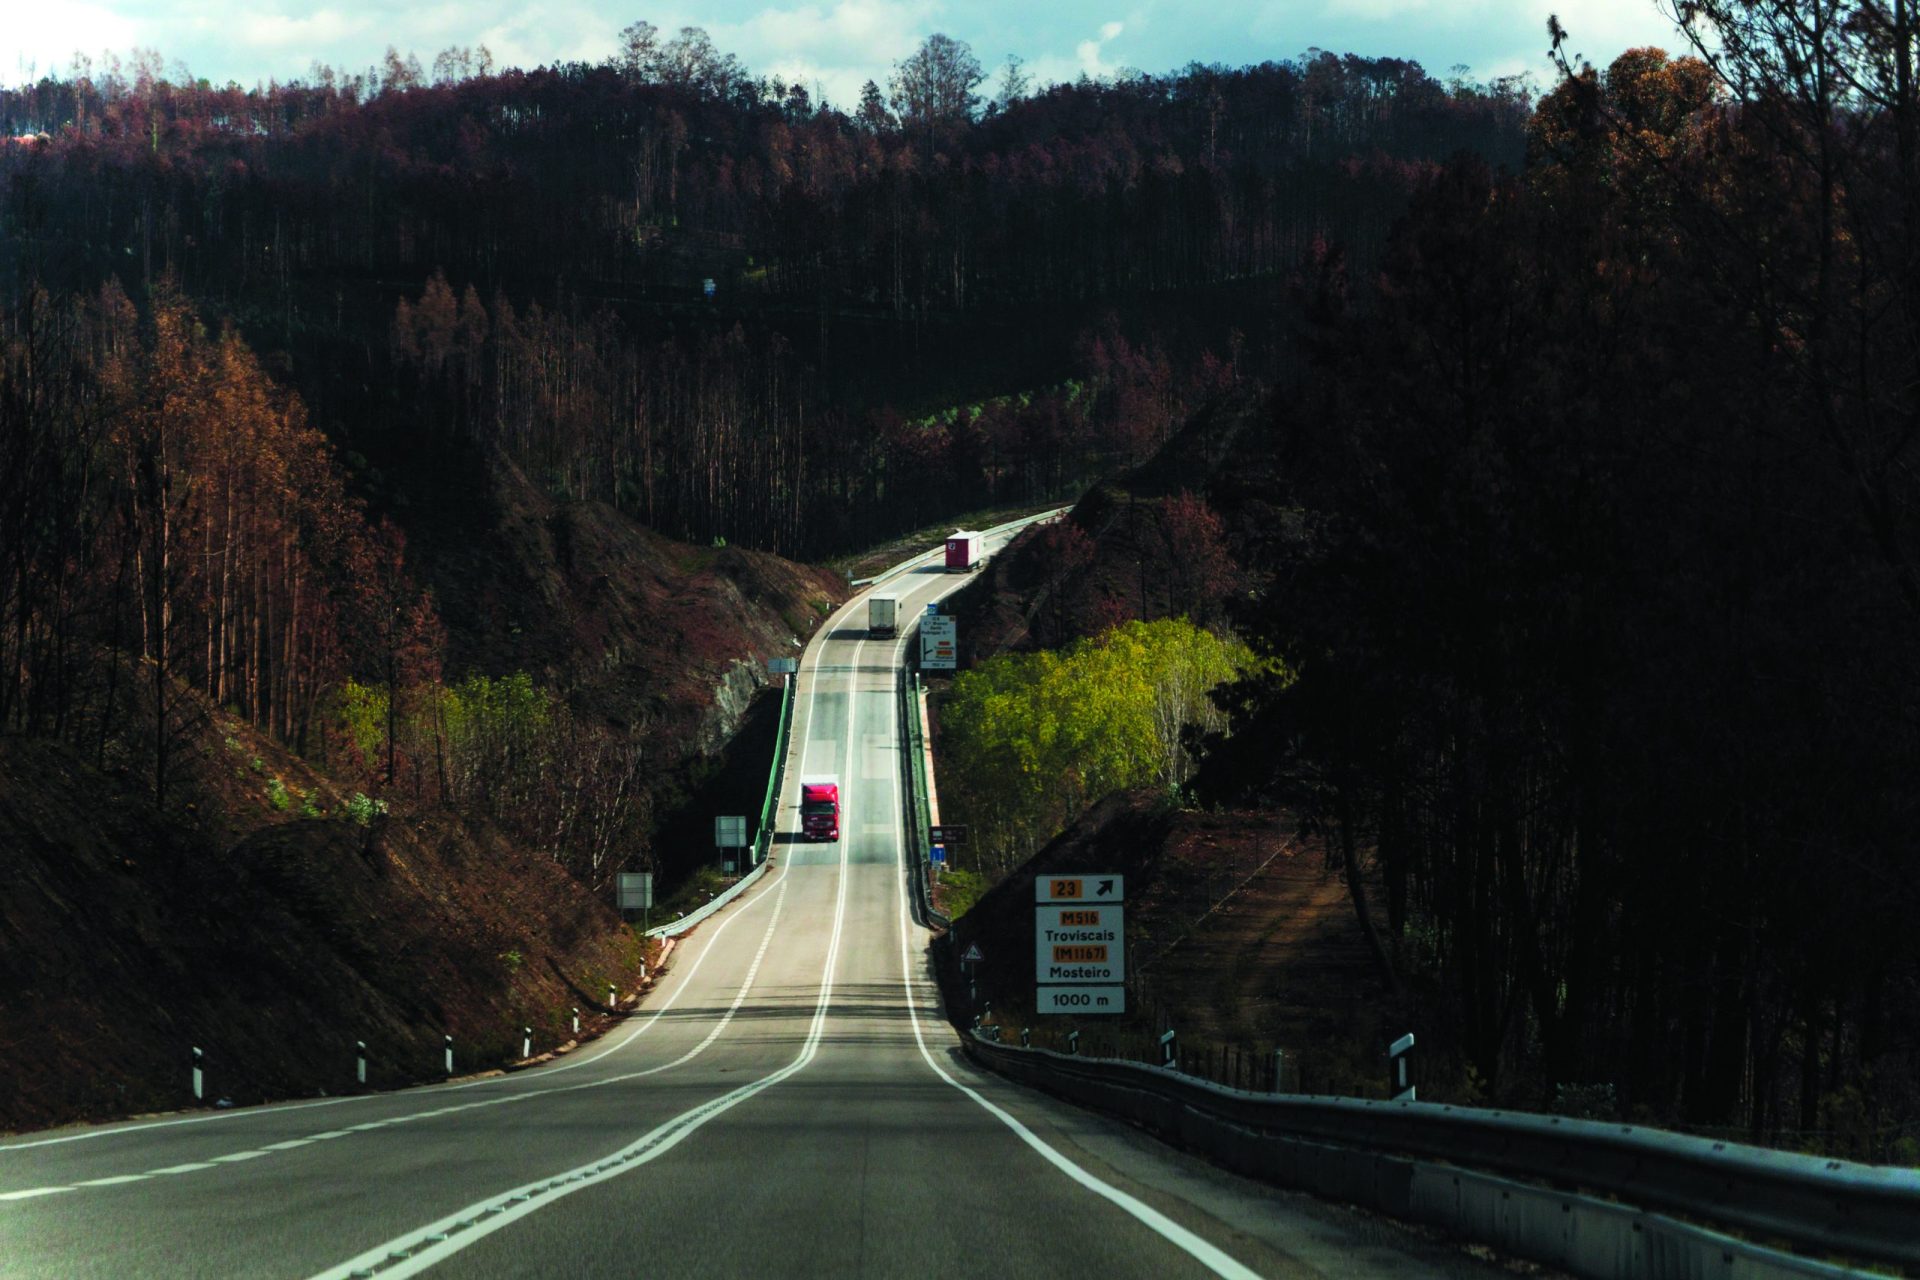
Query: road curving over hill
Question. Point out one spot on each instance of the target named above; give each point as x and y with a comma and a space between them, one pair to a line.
790, 1101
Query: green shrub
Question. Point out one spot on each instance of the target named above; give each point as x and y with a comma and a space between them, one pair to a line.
363, 808
277, 794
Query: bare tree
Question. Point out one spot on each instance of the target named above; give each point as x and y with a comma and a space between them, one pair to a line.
933, 89
1015, 83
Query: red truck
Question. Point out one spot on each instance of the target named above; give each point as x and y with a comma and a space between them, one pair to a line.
820, 808
963, 550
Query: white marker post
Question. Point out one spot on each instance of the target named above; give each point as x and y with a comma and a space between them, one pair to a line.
576, 1021
360, 1056
1398, 1085
613, 997
1073, 1042
199, 1080
1168, 1048
449, 1055
526, 1042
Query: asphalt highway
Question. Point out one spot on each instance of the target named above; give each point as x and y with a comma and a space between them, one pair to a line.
788, 1102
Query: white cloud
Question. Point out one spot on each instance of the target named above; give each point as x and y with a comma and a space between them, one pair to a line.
39, 38
278, 30
831, 49
1089, 53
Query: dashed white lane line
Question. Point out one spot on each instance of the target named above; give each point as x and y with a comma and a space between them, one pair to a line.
32, 1192
214, 1162
414, 1252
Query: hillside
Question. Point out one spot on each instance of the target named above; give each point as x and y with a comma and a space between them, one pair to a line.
1239, 934
270, 941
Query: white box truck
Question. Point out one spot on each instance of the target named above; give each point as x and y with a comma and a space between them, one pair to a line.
882, 616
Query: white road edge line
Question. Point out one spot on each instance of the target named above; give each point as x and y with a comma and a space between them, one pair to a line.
419, 1249
429, 1093
1203, 1251
213, 1162
286, 1107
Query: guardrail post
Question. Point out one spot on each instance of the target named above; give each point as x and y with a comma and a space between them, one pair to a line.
360, 1060
1073, 1042
199, 1079
449, 1040
1399, 1087
1169, 1047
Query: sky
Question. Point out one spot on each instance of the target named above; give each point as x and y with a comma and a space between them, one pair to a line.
830, 45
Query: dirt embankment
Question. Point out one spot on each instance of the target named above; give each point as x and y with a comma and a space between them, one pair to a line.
636, 629
271, 942
1238, 934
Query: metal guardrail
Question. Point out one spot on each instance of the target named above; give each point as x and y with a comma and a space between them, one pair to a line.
1052, 513
763, 840
918, 813
1812, 1206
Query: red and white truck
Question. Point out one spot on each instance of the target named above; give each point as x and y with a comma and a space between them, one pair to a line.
820, 807
963, 550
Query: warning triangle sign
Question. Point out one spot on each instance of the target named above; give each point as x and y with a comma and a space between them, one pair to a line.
972, 954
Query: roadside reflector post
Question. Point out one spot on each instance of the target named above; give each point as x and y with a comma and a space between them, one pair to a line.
1073, 1042
199, 1079
449, 1040
526, 1042
576, 1021
360, 1060
613, 993
1169, 1046
1399, 1085
1026, 1037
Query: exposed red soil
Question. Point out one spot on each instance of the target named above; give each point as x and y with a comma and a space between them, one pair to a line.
1238, 934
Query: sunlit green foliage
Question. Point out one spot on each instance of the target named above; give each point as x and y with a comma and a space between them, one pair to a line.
1029, 740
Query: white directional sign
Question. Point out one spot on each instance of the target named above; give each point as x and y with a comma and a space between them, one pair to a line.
730, 832
636, 890
1079, 944
939, 642
1079, 888
1080, 1000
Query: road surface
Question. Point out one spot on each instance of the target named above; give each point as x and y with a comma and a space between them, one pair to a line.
789, 1101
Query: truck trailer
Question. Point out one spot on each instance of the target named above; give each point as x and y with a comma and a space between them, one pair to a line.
882, 616
963, 550
820, 807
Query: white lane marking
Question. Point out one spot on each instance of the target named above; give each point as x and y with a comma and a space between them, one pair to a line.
438, 1090
414, 1252
282, 1108
1198, 1247
31, 1192
527, 1095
